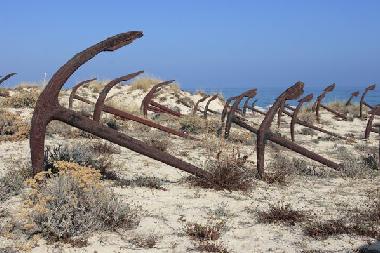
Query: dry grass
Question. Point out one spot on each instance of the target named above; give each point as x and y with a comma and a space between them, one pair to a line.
364, 222
197, 125
205, 232
158, 141
143, 83
281, 213
12, 127
22, 99
4, 92
12, 182
228, 170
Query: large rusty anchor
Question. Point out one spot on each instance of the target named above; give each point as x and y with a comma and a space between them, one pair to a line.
122, 114
362, 100
149, 105
264, 133
318, 104
206, 110
48, 109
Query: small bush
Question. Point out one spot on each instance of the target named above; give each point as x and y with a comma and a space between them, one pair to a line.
201, 232
283, 166
307, 131
73, 202
281, 213
12, 127
22, 99
307, 116
192, 124
12, 182
159, 143
186, 101
227, 171
84, 155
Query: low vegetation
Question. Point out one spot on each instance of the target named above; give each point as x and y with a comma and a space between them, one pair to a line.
228, 171
22, 99
12, 127
281, 213
73, 202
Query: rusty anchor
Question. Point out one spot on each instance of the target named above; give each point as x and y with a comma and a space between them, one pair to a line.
353, 94
318, 104
362, 100
265, 133
206, 110
149, 105
6, 77
124, 115
295, 120
196, 105
48, 109
234, 108
369, 128
245, 105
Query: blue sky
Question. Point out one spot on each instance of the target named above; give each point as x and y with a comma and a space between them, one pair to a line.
201, 44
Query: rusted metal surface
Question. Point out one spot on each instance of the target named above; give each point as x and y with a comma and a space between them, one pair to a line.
206, 110
75, 89
129, 116
353, 94
245, 105
294, 120
147, 104
281, 110
291, 93
48, 109
6, 77
318, 104
378, 127
103, 94
234, 107
362, 100
287, 144
369, 128
202, 99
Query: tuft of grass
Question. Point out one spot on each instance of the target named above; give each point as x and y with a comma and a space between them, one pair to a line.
281, 213
158, 142
196, 125
73, 202
22, 99
12, 127
146, 241
307, 131
228, 171
12, 183
143, 83
362, 222
210, 231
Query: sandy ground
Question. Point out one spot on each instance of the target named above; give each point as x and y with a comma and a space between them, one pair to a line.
165, 213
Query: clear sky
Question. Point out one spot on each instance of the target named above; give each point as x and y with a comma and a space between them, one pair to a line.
202, 44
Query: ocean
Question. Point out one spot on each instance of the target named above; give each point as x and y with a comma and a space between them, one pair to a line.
266, 95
